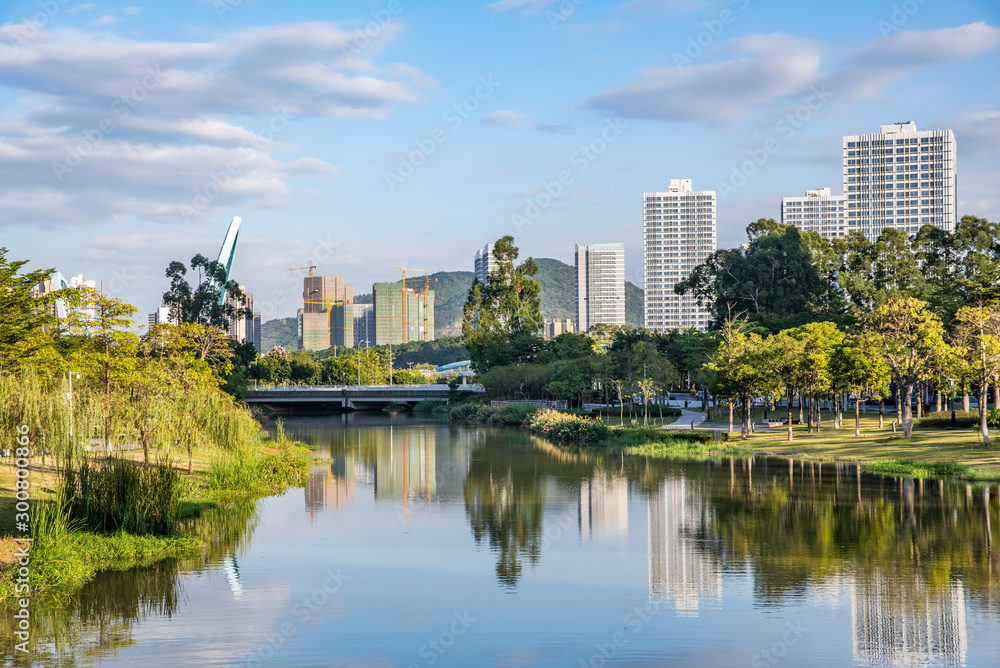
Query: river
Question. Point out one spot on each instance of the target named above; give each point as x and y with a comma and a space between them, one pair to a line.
419, 543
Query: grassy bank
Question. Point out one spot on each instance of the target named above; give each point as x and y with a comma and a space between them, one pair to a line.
115, 527
931, 453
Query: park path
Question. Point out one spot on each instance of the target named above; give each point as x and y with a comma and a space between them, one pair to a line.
686, 419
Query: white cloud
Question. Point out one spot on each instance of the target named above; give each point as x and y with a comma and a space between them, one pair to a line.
508, 118
768, 68
518, 121
131, 10
110, 127
762, 71
105, 20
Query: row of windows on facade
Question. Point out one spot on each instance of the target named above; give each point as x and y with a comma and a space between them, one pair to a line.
897, 142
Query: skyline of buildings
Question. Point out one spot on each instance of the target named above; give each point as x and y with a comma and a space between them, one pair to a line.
679, 232
600, 285
900, 177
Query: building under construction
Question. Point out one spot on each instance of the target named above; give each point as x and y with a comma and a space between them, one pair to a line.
401, 321
326, 318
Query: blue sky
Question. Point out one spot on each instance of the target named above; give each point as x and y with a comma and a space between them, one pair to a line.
364, 135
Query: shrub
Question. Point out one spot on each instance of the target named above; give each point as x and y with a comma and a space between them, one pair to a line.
511, 414
942, 420
566, 427
431, 406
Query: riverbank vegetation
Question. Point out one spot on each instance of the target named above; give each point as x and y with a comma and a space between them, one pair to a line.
124, 436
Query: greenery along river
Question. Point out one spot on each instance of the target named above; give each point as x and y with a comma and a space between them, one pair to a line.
421, 543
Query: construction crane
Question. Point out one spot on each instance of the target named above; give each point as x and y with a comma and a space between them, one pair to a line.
310, 268
427, 281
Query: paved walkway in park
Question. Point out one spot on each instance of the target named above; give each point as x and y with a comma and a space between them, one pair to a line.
686, 419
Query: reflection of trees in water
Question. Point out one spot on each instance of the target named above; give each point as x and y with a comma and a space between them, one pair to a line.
505, 508
96, 620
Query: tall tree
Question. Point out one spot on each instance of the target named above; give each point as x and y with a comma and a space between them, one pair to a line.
773, 280
977, 334
26, 322
199, 303
739, 370
780, 355
503, 317
818, 340
110, 354
910, 338
854, 368
873, 272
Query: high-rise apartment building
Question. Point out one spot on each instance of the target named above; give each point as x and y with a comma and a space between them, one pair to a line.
364, 325
485, 263
314, 330
819, 211
399, 321
901, 178
258, 333
318, 292
161, 316
600, 285
678, 234
241, 328
342, 325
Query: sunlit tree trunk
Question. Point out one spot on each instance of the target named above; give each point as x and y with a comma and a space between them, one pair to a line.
905, 410
857, 417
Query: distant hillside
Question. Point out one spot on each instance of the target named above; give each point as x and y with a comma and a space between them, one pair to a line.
633, 305
557, 280
279, 332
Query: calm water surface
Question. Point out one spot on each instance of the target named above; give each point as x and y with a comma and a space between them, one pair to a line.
428, 544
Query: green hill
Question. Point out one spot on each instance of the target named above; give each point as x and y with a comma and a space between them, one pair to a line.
557, 280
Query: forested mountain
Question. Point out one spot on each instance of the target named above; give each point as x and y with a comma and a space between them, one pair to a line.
557, 280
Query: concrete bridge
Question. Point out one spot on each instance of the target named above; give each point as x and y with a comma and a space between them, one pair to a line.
298, 398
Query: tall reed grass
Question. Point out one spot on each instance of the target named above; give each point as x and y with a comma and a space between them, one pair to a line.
116, 494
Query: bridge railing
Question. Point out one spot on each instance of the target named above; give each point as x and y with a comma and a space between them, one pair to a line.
415, 389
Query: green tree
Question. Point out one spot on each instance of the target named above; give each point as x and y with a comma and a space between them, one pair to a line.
910, 338
200, 303
27, 323
977, 335
874, 272
781, 355
774, 281
818, 341
502, 318
739, 369
854, 368
109, 354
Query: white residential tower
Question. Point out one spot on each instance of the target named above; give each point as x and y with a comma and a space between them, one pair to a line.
600, 285
678, 235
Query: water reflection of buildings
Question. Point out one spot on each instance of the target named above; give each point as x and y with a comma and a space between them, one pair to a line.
399, 465
604, 505
330, 486
905, 624
680, 570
